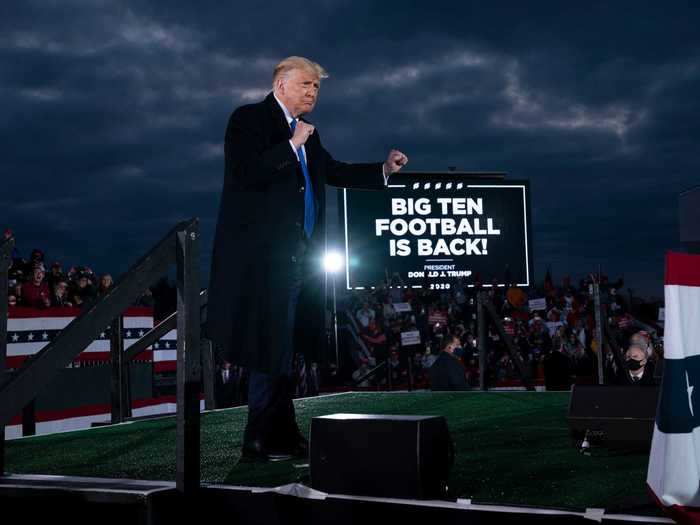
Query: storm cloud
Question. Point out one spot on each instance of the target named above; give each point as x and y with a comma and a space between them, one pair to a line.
113, 114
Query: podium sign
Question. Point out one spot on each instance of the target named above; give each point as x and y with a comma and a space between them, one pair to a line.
429, 229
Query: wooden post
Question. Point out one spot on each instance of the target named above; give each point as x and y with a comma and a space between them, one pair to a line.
187, 449
29, 419
120, 373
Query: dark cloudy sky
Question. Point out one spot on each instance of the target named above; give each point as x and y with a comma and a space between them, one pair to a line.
112, 113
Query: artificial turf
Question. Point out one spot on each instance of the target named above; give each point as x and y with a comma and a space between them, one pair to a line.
512, 447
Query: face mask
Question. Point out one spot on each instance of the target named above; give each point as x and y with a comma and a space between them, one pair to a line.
633, 364
458, 352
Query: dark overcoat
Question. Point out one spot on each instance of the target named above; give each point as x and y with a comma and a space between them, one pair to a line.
259, 230
447, 373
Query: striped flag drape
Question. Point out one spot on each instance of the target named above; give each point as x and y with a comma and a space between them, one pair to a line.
674, 463
29, 330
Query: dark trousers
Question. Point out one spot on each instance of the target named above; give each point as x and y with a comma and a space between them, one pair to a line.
271, 417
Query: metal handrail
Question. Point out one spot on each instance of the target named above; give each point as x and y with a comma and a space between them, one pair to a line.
158, 331
610, 337
121, 395
207, 358
486, 307
354, 330
370, 373
25, 383
179, 246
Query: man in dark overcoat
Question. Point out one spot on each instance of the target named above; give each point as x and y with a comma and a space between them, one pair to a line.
270, 240
448, 372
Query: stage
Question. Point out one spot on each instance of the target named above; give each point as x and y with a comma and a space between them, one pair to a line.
512, 449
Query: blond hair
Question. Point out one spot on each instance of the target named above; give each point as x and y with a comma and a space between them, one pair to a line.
294, 62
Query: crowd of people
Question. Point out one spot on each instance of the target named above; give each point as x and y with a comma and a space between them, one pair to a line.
31, 284
409, 329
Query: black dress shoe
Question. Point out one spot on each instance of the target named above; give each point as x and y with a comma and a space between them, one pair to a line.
254, 452
297, 447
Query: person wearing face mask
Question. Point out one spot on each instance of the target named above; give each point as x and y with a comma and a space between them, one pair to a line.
448, 372
637, 370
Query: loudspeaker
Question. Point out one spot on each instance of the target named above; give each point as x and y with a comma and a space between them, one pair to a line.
380, 455
614, 416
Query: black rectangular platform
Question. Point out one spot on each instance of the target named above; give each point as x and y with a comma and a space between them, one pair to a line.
97, 500
82, 499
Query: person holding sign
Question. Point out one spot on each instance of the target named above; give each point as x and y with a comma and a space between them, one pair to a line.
264, 295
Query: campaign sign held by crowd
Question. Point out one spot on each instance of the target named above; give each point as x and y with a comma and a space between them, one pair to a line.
537, 304
429, 229
402, 307
409, 338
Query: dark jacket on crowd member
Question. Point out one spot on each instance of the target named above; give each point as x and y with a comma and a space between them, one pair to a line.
225, 392
447, 373
60, 302
259, 237
52, 279
557, 371
584, 365
86, 293
623, 376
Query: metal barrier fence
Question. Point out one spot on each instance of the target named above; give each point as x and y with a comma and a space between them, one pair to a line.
180, 247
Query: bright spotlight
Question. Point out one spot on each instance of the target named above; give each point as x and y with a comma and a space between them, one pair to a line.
333, 262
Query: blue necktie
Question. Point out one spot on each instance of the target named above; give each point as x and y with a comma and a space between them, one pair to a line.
309, 205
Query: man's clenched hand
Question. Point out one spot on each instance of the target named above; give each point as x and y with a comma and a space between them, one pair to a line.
301, 133
394, 162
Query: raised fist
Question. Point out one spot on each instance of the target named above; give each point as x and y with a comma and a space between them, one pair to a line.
301, 133
394, 162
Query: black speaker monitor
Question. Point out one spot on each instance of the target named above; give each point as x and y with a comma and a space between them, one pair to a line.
615, 416
380, 455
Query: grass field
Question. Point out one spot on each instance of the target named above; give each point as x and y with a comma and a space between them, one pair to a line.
512, 447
